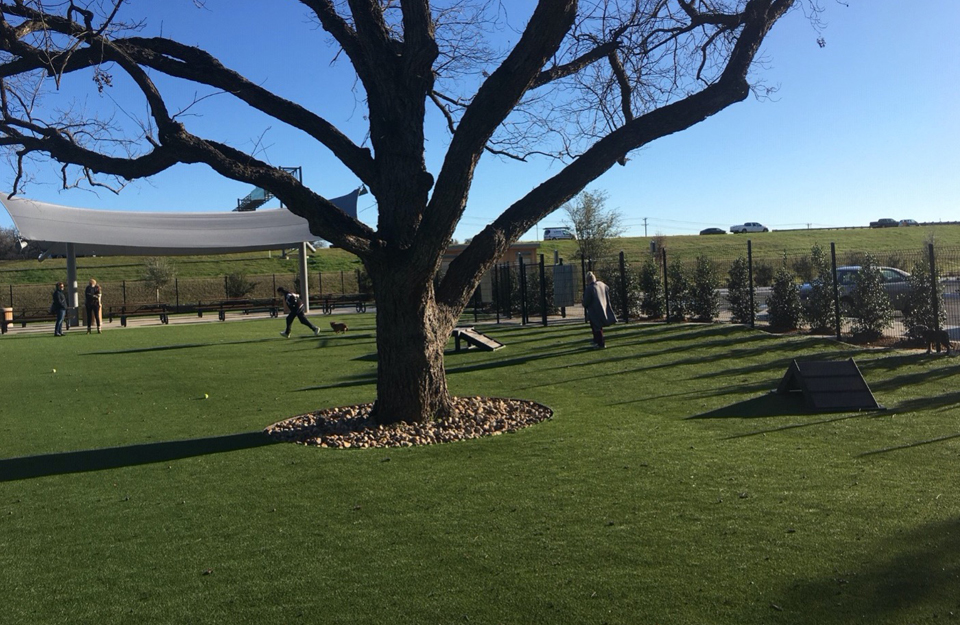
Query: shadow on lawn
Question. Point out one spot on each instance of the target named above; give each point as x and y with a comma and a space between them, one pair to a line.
912, 578
27, 467
163, 348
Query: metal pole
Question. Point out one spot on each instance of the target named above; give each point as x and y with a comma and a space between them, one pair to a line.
523, 290
543, 292
934, 293
836, 288
666, 285
623, 288
496, 289
750, 283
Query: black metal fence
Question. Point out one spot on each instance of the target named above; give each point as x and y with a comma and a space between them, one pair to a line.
543, 293
184, 294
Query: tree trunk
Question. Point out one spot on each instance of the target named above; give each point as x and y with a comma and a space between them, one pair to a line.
412, 333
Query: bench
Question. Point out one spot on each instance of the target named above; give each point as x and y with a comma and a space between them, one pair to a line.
23, 316
246, 306
328, 303
139, 310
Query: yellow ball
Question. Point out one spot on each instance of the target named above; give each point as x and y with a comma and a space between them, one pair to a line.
205, 396
54, 370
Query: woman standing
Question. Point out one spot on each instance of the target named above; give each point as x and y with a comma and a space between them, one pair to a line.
59, 308
598, 308
93, 296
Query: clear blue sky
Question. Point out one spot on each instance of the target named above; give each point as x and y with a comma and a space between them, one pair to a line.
863, 128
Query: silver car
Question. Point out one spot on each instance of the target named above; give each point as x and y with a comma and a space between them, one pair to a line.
896, 283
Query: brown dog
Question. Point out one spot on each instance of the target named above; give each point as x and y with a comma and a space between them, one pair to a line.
338, 328
931, 337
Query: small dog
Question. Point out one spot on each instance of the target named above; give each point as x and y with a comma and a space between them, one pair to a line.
338, 328
930, 337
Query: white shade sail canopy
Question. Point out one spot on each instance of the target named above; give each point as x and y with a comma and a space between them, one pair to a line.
130, 233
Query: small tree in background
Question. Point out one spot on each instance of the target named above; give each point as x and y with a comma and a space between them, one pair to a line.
784, 305
871, 307
705, 291
919, 303
763, 273
237, 285
678, 291
653, 305
158, 272
820, 311
738, 292
595, 224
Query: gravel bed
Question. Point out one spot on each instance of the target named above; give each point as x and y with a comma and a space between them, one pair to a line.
351, 426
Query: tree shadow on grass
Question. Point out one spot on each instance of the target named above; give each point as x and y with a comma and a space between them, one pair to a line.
912, 578
163, 348
27, 467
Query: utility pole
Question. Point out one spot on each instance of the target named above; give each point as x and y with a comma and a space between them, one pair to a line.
644, 227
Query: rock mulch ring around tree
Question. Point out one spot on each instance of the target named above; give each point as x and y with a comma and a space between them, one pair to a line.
351, 426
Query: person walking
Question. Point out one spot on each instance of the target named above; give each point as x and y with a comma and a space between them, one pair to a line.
59, 308
295, 305
598, 308
93, 297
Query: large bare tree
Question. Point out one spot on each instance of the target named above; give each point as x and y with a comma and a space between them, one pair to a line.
583, 82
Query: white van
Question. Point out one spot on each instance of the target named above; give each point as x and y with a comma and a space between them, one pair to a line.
551, 234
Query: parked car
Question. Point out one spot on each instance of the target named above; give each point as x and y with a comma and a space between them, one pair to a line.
713, 231
896, 283
908, 222
886, 222
552, 234
750, 226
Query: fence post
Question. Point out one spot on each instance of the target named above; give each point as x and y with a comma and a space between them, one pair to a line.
476, 296
836, 288
343, 289
508, 286
583, 275
522, 278
496, 290
623, 288
935, 293
543, 292
753, 302
666, 285
123, 288
559, 261
176, 290
226, 291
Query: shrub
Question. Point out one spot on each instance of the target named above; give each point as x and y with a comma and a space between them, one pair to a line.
705, 291
237, 285
678, 291
919, 304
739, 294
820, 310
870, 307
653, 304
783, 305
762, 273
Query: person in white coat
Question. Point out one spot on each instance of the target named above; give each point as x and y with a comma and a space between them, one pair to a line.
598, 308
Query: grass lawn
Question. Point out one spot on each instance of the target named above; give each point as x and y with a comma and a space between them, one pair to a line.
670, 486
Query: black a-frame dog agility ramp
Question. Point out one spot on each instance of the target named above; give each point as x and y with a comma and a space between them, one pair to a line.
829, 386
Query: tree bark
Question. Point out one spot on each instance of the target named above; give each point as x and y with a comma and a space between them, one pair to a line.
412, 334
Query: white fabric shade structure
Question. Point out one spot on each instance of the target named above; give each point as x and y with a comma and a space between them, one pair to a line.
128, 233
71, 232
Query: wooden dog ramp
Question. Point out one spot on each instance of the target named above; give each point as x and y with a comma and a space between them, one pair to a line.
472, 338
829, 386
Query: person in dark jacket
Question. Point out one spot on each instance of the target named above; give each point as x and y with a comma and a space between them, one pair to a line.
295, 305
92, 297
598, 308
59, 308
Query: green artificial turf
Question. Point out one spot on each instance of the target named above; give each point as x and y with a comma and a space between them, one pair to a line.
669, 487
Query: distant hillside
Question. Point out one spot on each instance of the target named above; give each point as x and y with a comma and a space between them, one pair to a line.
768, 246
